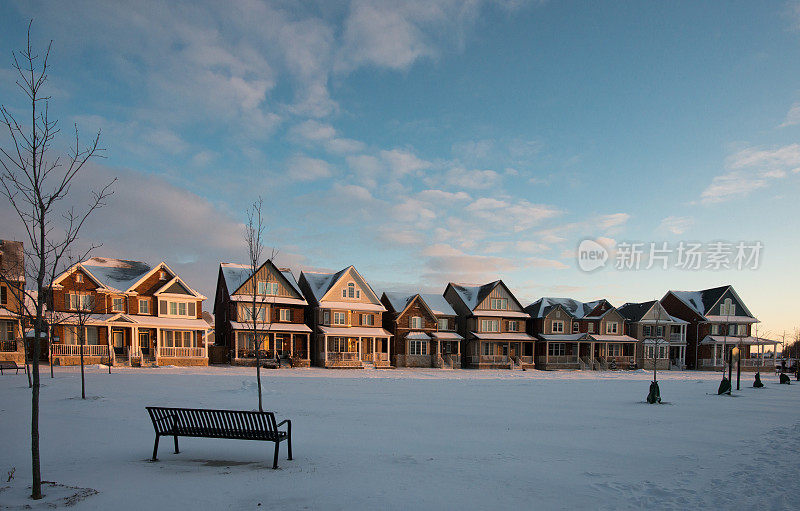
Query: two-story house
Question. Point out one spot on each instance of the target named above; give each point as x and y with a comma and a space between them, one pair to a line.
493, 325
132, 313
12, 285
661, 337
718, 320
423, 330
345, 316
580, 335
278, 316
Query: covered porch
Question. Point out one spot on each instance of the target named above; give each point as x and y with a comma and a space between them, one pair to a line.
448, 349
144, 340
12, 347
353, 347
501, 350
715, 351
286, 343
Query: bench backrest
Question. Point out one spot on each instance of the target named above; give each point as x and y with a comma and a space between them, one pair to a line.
205, 422
9, 364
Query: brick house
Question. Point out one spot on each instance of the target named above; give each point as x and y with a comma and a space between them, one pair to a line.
576, 335
493, 325
717, 320
345, 316
279, 314
661, 337
140, 315
423, 330
12, 283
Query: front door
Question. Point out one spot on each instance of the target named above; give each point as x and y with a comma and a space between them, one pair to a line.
504, 349
144, 342
118, 340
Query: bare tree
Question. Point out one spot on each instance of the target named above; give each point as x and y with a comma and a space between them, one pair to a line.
37, 185
254, 232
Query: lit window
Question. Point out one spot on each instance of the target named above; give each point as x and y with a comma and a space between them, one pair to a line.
78, 277
162, 275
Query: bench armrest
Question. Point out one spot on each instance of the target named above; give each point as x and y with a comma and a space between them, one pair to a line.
287, 421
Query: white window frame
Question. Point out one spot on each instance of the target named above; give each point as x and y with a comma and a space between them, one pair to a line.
79, 277
368, 320
513, 326
576, 327
498, 303
415, 322
490, 325
557, 327
417, 347
114, 300
146, 308
557, 349
284, 314
590, 327
443, 324
339, 318
612, 331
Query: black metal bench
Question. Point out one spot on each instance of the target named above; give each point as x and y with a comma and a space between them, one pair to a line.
231, 424
10, 364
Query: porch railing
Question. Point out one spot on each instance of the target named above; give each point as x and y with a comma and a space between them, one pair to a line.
489, 359
526, 360
342, 356
676, 337
562, 359
167, 352
89, 350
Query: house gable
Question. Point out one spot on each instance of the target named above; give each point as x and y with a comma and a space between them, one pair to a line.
656, 312
176, 288
416, 307
601, 308
268, 272
502, 292
351, 287
740, 309
152, 282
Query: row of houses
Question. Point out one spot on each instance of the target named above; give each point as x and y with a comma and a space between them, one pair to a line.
148, 315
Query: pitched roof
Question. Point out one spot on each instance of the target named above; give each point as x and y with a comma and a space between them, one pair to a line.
436, 303
635, 311
12, 260
236, 274
701, 301
542, 307
472, 295
321, 283
116, 274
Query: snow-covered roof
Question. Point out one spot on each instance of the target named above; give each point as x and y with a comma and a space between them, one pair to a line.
447, 336
271, 327
701, 301
436, 303
579, 310
360, 331
471, 294
236, 274
721, 339
116, 274
506, 336
562, 337
418, 336
320, 283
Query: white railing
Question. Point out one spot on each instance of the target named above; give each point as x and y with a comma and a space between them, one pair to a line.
89, 350
489, 359
676, 338
168, 352
343, 356
526, 360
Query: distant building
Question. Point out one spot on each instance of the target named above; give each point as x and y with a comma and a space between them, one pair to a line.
12, 284
661, 337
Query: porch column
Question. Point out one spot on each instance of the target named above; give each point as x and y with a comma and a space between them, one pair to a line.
715, 354
158, 345
134, 343
325, 348
235, 345
591, 355
360, 340
291, 345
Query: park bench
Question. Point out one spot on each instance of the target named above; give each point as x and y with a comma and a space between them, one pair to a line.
230, 424
10, 364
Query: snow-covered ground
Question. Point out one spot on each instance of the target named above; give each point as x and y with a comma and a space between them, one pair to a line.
415, 439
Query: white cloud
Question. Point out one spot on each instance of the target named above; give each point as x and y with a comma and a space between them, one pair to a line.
460, 177
402, 162
792, 116
613, 221
434, 195
304, 168
324, 134
676, 224
750, 169
516, 216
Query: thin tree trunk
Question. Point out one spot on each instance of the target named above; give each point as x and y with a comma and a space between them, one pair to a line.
258, 374
27, 367
83, 378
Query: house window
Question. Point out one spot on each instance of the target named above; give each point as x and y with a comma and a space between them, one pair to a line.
267, 288
513, 326
144, 306
162, 275
350, 291
498, 303
173, 308
77, 301
3, 295
558, 313
660, 331
662, 352
339, 318
415, 322
89, 335
611, 328
247, 313
367, 319
558, 327
487, 348
614, 350
285, 314
490, 325
590, 328
326, 317
118, 304
417, 347
575, 327
557, 349
728, 308
648, 330
443, 324
715, 329
78, 277
178, 339
181, 308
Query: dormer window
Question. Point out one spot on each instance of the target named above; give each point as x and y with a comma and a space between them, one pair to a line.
267, 288
118, 304
498, 304
728, 308
162, 275
79, 277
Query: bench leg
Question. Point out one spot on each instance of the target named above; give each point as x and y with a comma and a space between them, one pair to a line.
290, 443
155, 449
275, 458
176, 444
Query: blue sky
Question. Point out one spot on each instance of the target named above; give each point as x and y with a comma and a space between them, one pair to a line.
432, 141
